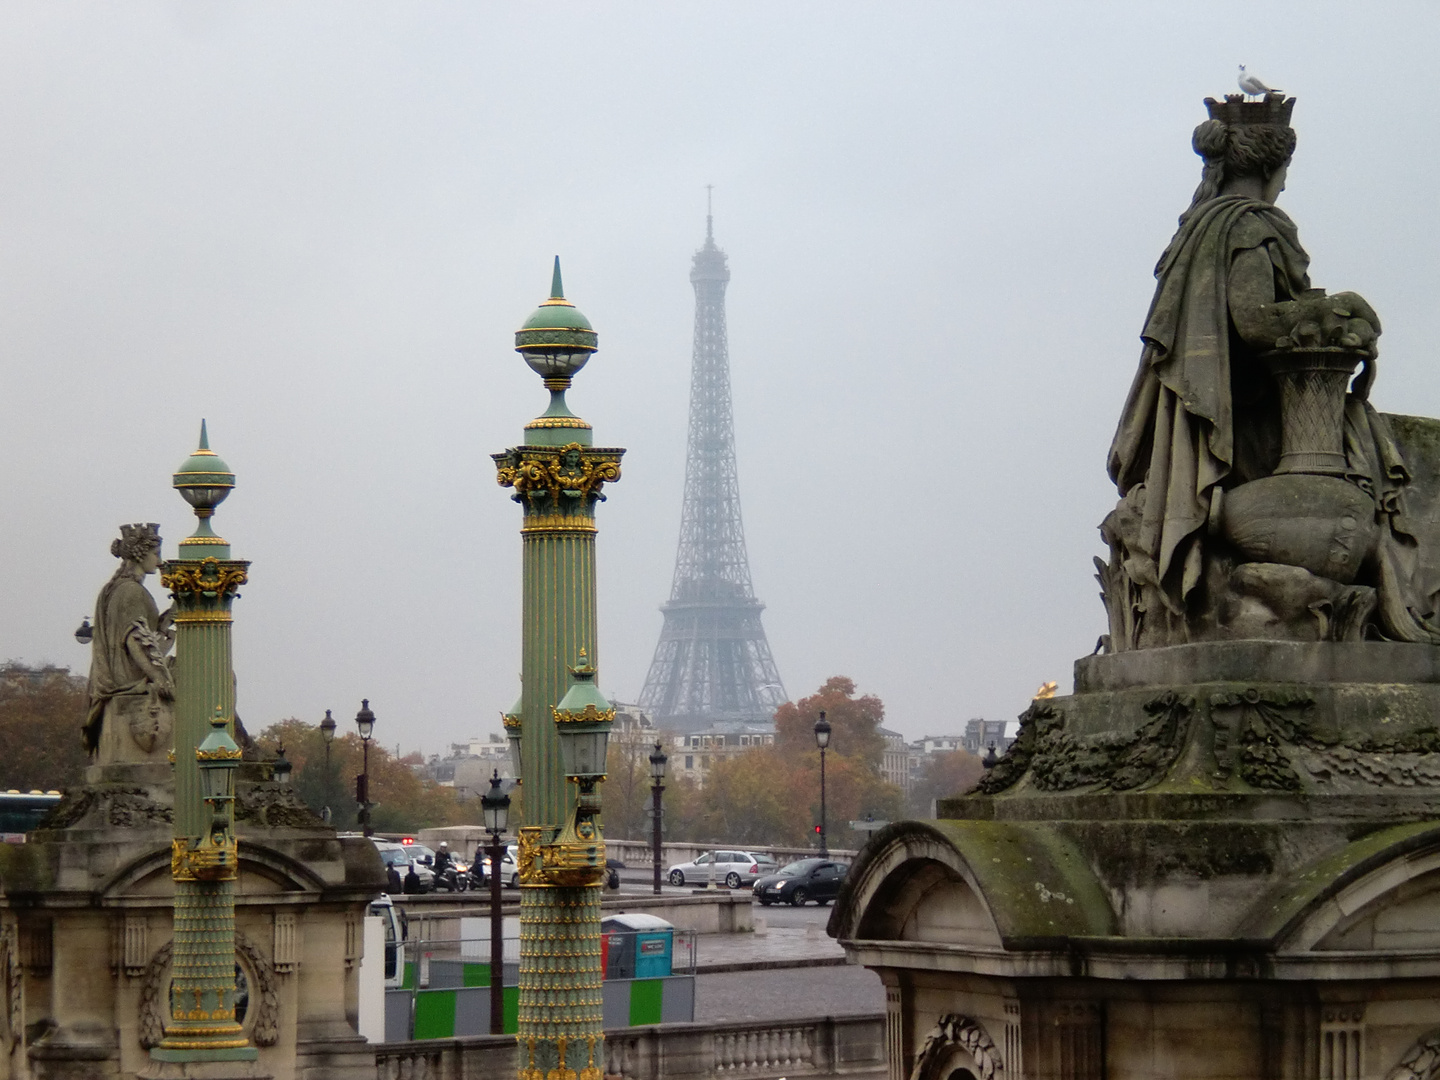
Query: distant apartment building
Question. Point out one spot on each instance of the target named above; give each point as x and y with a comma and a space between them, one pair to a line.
895, 763
978, 736
696, 753
470, 764
981, 734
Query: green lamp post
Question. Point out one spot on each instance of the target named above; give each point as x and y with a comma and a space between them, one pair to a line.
561, 722
204, 861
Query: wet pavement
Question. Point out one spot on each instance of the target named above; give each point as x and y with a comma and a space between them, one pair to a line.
795, 993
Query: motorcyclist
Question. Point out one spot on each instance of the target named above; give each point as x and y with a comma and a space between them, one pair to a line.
442, 859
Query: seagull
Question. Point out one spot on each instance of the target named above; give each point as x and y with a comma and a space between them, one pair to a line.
1253, 86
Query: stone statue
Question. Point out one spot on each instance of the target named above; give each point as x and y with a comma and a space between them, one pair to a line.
1259, 497
132, 689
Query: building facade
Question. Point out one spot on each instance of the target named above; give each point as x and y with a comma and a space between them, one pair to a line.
695, 753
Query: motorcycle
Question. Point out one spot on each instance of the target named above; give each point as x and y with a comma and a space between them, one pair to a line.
454, 877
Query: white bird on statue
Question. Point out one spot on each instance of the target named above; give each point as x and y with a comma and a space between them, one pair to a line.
1253, 86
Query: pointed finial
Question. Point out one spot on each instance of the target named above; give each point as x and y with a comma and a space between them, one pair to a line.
709, 213
204, 481
557, 290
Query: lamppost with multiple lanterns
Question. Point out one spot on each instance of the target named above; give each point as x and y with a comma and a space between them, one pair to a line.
204, 862
561, 724
495, 808
822, 740
657, 785
365, 722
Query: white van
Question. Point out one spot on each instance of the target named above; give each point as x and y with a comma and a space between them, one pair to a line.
396, 925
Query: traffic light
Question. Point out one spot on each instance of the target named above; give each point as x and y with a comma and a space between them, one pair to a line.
817, 830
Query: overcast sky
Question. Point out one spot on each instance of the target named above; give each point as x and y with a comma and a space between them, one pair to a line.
319, 225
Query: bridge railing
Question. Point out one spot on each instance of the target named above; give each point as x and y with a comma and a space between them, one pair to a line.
640, 853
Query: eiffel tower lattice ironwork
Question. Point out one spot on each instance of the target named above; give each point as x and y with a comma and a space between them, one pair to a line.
713, 663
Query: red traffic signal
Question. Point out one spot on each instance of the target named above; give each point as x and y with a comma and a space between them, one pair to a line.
817, 828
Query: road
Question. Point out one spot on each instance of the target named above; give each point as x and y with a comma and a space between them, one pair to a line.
788, 994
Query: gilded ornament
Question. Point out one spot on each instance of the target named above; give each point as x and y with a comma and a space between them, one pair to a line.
206, 578
588, 715
529, 855
210, 861
566, 471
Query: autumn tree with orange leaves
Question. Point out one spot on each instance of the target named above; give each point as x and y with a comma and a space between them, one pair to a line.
406, 802
771, 794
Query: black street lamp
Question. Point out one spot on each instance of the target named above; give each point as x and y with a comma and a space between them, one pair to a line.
327, 736
495, 806
822, 740
657, 777
365, 721
280, 771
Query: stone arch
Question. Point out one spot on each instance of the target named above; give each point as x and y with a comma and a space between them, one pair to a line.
954, 1045
1421, 1061
1407, 877
262, 1018
288, 875
914, 880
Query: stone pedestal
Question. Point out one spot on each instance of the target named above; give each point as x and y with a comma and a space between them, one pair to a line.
86, 932
1218, 860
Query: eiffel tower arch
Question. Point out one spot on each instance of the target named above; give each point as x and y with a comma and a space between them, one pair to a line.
713, 663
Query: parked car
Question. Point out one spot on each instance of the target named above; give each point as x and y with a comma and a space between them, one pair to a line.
397, 857
807, 879
509, 867
734, 868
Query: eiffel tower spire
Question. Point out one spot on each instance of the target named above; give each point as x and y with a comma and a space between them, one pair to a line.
712, 663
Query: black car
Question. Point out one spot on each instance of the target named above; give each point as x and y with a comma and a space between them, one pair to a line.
808, 879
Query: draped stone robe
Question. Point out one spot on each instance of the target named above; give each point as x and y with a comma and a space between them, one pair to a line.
1203, 413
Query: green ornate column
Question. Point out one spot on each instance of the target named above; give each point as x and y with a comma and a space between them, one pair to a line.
557, 476
203, 580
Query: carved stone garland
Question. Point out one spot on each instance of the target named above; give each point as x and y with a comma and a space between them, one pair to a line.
957, 1031
264, 1002
1421, 1061
1059, 762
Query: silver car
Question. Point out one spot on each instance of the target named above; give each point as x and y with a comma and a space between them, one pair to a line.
733, 867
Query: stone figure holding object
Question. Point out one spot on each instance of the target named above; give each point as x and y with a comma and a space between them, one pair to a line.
132, 689
1259, 496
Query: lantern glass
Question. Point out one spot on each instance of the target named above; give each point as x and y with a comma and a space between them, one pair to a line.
216, 776
553, 361
582, 753
515, 751
657, 764
327, 727
495, 805
822, 732
365, 719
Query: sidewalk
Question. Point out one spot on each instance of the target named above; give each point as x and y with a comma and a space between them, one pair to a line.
774, 947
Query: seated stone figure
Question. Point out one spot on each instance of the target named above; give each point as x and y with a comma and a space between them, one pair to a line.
132, 690
1259, 497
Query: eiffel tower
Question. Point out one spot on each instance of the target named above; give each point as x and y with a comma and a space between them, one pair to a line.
713, 663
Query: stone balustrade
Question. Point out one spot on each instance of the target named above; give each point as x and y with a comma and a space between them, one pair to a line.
851, 1046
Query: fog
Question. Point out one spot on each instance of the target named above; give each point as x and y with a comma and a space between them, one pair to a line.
318, 226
